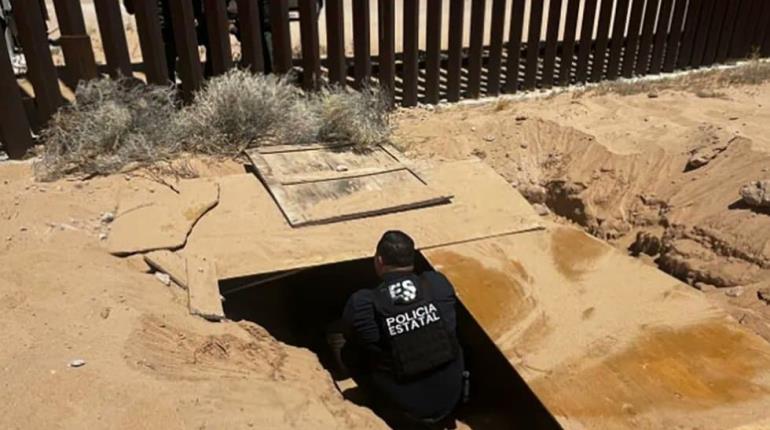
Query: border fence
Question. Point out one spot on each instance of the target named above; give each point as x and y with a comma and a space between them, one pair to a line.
516, 45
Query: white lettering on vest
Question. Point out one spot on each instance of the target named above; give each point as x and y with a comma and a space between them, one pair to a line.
403, 292
412, 320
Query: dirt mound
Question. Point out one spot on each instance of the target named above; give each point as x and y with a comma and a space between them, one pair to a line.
658, 176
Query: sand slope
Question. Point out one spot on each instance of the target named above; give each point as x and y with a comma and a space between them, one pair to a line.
149, 364
617, 165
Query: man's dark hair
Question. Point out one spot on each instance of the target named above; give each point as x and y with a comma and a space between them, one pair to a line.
396, 249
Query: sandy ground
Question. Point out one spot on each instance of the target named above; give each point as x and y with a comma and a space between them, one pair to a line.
149, 364
612, 164
616, 165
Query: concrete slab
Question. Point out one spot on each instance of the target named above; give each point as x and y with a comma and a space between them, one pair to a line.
246, 234
151, 218
604, 340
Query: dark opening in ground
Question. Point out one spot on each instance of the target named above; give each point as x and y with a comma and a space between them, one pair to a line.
297, 307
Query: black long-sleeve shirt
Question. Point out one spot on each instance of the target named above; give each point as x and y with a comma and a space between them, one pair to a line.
430, 396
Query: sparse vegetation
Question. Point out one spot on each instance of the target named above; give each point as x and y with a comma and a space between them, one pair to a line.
118, 125
703, 83
110, 125
359, 117
239, 109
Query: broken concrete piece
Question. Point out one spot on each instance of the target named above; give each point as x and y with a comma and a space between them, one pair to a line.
77, 363
203, 288
163, 278
734, 292
169, 263
107, 217
756, 194
162, 219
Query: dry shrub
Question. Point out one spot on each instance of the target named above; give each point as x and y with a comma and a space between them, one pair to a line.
239, 109
358, 117
110, 125
121, 125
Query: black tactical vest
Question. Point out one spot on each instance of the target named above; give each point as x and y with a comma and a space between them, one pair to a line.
412, 326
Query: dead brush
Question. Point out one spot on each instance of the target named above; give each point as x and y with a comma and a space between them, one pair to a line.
111, 124
357, 117
118, 125
239, 110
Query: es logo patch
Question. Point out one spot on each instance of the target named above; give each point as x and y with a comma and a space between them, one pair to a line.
403, 292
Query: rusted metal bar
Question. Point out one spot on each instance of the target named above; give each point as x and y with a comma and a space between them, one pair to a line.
586, 40
690, 30
478, 9
387, 42
411, 37
725, 40
335, 42
362, 61
602, 35
675, 36
14, 124
533, 44
113, 37
715, 32
311, 60
765, 50
618, 38
497, 34
433, 47
75, 43
568, 44
147, 16
552, 38
219, 51
186, 41
41, 70
661, 33
279, 23
761, 33
514, 46
456, 12
632, 39
648, 33
250, 28
702, 37
738, 44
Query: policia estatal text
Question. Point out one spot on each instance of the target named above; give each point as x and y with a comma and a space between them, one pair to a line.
401, 345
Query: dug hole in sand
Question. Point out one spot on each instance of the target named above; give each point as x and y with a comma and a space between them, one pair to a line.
561, 328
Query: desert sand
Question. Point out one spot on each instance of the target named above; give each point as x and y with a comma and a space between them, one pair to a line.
613, 164
148, 363
617, 165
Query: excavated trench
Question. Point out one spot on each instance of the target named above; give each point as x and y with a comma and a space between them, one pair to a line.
296, 308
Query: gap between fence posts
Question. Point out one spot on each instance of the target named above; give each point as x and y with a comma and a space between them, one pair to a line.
14, 125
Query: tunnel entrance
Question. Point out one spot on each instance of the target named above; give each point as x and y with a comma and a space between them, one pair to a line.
297, 307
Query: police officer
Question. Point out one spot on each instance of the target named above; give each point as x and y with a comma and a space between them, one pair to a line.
401, 345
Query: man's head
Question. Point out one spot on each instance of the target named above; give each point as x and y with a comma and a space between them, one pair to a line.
395, 252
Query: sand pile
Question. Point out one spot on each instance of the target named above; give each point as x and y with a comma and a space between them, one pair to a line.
148, 363
659, 175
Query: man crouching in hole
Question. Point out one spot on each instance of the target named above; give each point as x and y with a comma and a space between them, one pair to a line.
400, 343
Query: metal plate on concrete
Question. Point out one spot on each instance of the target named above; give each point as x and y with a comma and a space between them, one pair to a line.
246, 234
319, 184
